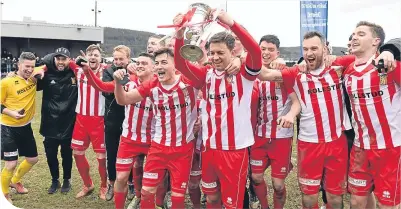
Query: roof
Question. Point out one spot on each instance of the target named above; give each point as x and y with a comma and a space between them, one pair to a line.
44, 30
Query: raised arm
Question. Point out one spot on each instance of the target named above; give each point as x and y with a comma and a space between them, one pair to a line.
107, 87
270, 75
125, 98
193, 72
253, 59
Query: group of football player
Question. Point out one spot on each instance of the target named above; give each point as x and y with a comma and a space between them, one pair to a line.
213, 124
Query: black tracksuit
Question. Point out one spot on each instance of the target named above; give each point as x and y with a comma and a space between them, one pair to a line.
59, 100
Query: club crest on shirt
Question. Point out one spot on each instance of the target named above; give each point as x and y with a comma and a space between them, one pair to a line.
383, 78
278, 85
209, 80
185, 91
229, 79
73, 81
338, 69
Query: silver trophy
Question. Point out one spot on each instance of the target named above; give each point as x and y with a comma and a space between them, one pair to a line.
192, 51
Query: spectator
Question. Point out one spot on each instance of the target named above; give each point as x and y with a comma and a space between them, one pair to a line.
9, 64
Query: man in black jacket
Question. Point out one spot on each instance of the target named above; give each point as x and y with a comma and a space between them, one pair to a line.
58, 115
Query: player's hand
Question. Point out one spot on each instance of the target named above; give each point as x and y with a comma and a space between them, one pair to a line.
17, 114
277, 65
285, 121
225, 18
119, 74
243, 57
302, 67
177, 21
198, 125
234, 66
131, 68
329, 59
40, 73
389, 61
11, 74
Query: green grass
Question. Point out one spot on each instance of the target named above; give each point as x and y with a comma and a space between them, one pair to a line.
38, 181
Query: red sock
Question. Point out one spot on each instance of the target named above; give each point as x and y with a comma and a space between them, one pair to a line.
261, 193
161, 193
147, 199
137, 179
177, 202
102, 172
119, 199
83, 169
195, 195
279, 195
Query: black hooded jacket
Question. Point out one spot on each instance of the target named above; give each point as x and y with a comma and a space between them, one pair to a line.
59, 100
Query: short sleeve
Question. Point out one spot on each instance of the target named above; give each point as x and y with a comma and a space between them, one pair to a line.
344, 61
249, 74
289, 75
3, 85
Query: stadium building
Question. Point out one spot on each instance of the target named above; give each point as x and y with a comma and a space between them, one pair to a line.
43, 38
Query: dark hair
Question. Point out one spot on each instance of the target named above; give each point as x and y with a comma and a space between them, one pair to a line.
350, 38
223, 37
161, 51
377, 30
312, 34
26, 56
207, 45
270, 39
144, 54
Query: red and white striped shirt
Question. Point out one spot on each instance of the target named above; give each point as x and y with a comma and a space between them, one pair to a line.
321, 98
273, 103
226, 113
90, 101
376, 106
175, 111
139, 123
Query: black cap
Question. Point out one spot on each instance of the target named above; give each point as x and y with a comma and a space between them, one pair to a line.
62, 52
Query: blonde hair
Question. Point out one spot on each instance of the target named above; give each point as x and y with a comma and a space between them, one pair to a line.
123, 49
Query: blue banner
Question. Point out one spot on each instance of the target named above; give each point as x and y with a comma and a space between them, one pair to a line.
314, 16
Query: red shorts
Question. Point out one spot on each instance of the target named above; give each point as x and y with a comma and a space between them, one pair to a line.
381, 168
226, 172
176, 160
88, 129
196, 169
275, 152
128, 151
316, 158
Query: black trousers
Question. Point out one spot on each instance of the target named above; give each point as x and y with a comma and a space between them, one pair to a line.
112, 138
51, 149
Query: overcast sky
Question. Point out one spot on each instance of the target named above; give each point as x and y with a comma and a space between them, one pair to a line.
260, 17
